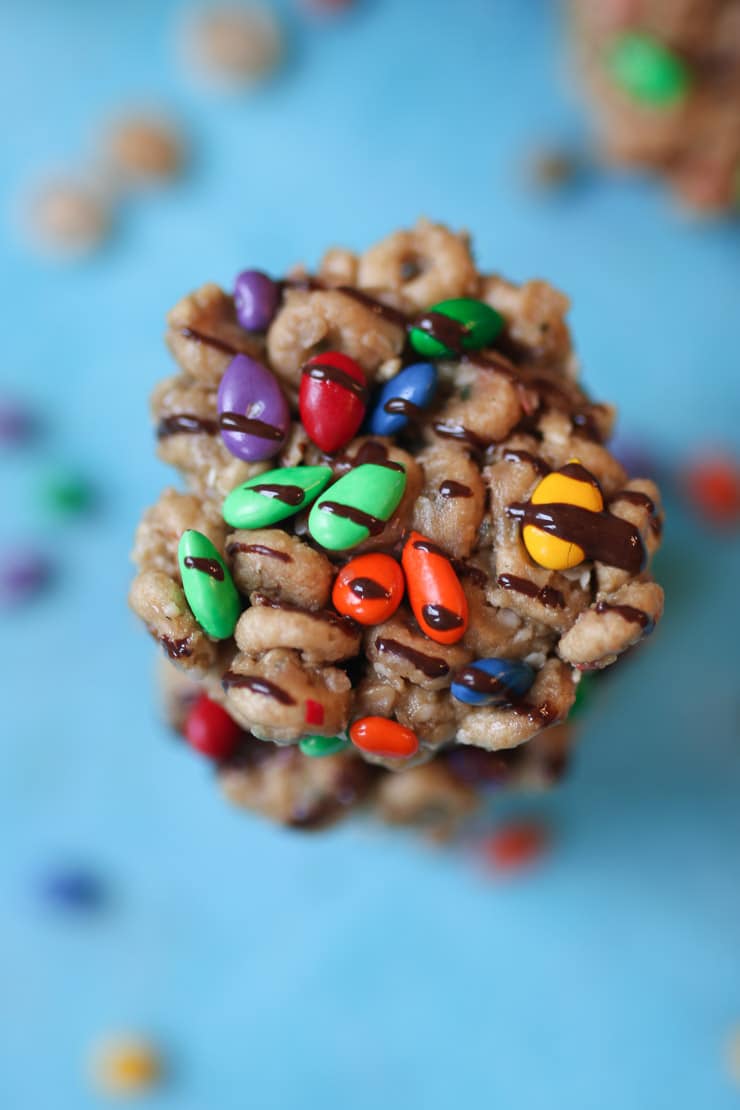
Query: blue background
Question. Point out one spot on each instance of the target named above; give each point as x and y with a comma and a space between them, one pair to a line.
361, 967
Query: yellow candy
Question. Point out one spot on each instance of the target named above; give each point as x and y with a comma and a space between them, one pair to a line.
561, 489
125, 1065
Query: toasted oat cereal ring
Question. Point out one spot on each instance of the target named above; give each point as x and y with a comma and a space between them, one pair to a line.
437, 598
369, 588
571, 485
383, 737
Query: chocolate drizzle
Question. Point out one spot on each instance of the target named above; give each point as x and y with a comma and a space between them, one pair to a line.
473, 678
429, 547
627, 612
605, 538
579, 473
517, 454
441, 618
328, 616
259, 549
209, 341
358, 516
460, 432
400, 406
324, 372
369, 590
430, 665
451, 488
547, 595
186, 423
637, 497
278, 491
385, 311
208, 566
176, 649
492, 361
257, 685
235, 422
447, 331
370, 452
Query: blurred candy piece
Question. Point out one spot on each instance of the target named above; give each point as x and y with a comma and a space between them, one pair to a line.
23, 574
383, 737
17, 424
69, 217
647, 71
712, 485
584, 693
72, 888
256, 299
144, 148
125, 1065
453, 326
515, 845
319, 746
210, 730
551, 169
634, 454
233, 46
68, 493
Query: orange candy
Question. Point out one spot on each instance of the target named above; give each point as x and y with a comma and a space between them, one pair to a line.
436, 596
369, 589
381, 736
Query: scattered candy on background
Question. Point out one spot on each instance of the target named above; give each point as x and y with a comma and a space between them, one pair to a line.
515, 845
712, 485
24, 574
18, 424
125, 1065
72, 888
67, 493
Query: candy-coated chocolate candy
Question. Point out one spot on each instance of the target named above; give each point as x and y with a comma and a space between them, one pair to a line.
357, 506
437, 599
402, 397
256, 299
561, 488
23, 574
492, 681
584, 693
253, 413
383, 737
73, 888
318, 746
712, 484
369, 588
275, 495
209, 588
516, 845
332, 399
645, 69
454, 326
125, 1065
210, 730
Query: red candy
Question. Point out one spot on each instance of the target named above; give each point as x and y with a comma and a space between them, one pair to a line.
332, 399
515, 845
713, 486
369, 589
380, 736
210, 730
436, 596
314, 712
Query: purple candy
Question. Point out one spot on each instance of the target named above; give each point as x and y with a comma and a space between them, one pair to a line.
22, 575
16, 423
256, 297
253, 413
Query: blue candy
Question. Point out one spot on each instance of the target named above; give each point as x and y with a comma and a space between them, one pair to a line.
493, 681
414, 385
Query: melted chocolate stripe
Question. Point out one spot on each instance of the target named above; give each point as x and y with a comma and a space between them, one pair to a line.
450, 333
386, 311
512, 454
627, 612
441, 618
209, 341
451, 488
208, 566
400, 406
259, 549
368, 589
473, 678
429, 547
235, 422
430, 665
324, 372
185, 423
603, 537
278, 491
358, 516
547, 595
257, 685
328, 616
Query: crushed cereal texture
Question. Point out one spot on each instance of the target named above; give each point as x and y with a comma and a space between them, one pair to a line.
664, 81
504, 418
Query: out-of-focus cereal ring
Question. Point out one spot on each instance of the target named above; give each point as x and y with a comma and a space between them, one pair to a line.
430, 263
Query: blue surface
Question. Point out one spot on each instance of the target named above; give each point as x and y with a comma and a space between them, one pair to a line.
358, 968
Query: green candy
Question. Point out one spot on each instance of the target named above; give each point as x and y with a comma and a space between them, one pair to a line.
482, 324
318, 746
356, 506
647, 70
273, 496
584, 693
208, 585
